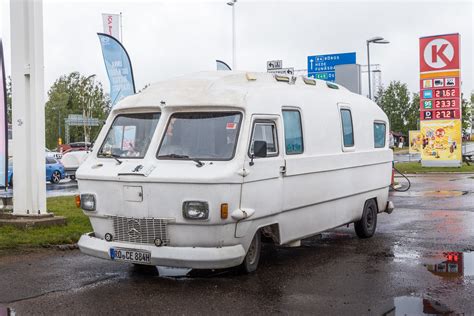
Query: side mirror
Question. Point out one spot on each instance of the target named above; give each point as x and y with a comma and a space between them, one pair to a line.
260, 148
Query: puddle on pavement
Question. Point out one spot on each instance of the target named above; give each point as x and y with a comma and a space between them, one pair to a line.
7, 311
411, 305
454, 265
440, 193
170, 272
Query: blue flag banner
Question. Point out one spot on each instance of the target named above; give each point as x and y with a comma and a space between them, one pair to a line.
222, 65
119, 68
3, 123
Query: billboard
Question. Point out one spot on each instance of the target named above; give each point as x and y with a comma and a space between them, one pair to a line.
440, 100
3, 123
415, 142
323, 66
441, 141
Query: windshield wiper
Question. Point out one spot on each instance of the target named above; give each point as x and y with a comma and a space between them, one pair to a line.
198, 162
116, 157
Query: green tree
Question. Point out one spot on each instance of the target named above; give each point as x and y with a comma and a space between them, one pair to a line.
74, 94
466, 110
402, 112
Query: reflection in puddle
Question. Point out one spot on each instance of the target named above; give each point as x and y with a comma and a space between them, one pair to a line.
439, 193
171, 272
409, 305
456, 264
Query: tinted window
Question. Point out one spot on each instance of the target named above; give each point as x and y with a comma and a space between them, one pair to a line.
293, 132
207, 136
265, 131
130, 135
379, 135
347, 131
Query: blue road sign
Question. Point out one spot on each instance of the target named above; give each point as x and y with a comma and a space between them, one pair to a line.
323, 66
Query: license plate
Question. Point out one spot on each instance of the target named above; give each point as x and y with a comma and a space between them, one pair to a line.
130, 255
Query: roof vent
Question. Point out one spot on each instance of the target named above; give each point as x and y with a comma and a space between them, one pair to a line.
332, 85
309, 81
282, 78
250, 76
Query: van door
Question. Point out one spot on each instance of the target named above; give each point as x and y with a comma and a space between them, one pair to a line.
262, 186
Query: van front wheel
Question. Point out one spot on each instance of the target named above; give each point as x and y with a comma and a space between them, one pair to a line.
365, 227
253, 255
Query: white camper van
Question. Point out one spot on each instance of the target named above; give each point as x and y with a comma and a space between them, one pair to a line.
193, 172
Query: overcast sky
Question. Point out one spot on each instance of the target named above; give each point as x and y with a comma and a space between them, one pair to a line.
169, 38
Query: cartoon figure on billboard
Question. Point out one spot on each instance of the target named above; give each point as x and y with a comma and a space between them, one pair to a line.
417, 142
440, 140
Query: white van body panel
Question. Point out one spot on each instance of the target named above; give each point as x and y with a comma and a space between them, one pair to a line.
298, 195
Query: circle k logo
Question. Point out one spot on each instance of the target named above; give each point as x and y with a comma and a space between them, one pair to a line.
439, 53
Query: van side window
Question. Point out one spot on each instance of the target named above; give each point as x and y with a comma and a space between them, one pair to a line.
293, 132
347, 130
379, 135
265, 131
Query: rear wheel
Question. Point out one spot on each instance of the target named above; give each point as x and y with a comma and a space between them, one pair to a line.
55, 177
365, 227
252, 257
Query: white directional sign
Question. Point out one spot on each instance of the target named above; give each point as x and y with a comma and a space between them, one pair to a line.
274, 64
283, 71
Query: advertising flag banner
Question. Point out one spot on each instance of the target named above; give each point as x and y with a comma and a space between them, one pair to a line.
416, 142
111, 24
222, 65
441, 140
440, 100
3, 122
119, 68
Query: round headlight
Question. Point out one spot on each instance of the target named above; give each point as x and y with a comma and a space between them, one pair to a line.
108, 237
158, 242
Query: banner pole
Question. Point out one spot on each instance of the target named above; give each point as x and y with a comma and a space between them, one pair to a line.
121, 28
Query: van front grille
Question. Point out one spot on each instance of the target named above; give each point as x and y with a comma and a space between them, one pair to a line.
141, 230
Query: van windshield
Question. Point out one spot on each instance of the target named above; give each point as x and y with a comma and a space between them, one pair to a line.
205, 136
130, 135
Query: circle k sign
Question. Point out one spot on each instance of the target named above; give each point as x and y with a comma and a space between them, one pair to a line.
439, 52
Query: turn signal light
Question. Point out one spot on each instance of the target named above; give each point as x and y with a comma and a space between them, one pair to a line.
78, 201
224, 210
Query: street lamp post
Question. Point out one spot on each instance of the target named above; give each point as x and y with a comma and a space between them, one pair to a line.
375, 40
85, 113
234, 59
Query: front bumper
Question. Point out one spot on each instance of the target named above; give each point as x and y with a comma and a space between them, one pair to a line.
183, 257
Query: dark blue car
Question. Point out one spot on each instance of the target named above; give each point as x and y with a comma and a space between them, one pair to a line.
54, 171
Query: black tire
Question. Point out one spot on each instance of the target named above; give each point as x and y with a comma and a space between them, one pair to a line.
72, 178
366, 226
56, 177
252, 257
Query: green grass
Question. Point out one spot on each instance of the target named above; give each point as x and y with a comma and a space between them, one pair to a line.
403, 150
77, 224
415, 167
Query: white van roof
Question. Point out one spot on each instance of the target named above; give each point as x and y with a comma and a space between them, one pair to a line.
214, 88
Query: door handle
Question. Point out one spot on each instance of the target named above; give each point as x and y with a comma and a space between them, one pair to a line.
282, 169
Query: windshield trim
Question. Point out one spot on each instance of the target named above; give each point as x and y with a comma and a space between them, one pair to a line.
231, 112
131, 157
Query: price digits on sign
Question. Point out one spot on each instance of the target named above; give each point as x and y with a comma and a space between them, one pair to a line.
444, 114
441, 93
448, 103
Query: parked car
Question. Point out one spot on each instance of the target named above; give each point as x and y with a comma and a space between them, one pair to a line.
53, 154
72, 159
54, 171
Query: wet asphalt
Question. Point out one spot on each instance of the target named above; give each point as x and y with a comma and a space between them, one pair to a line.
421, 260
